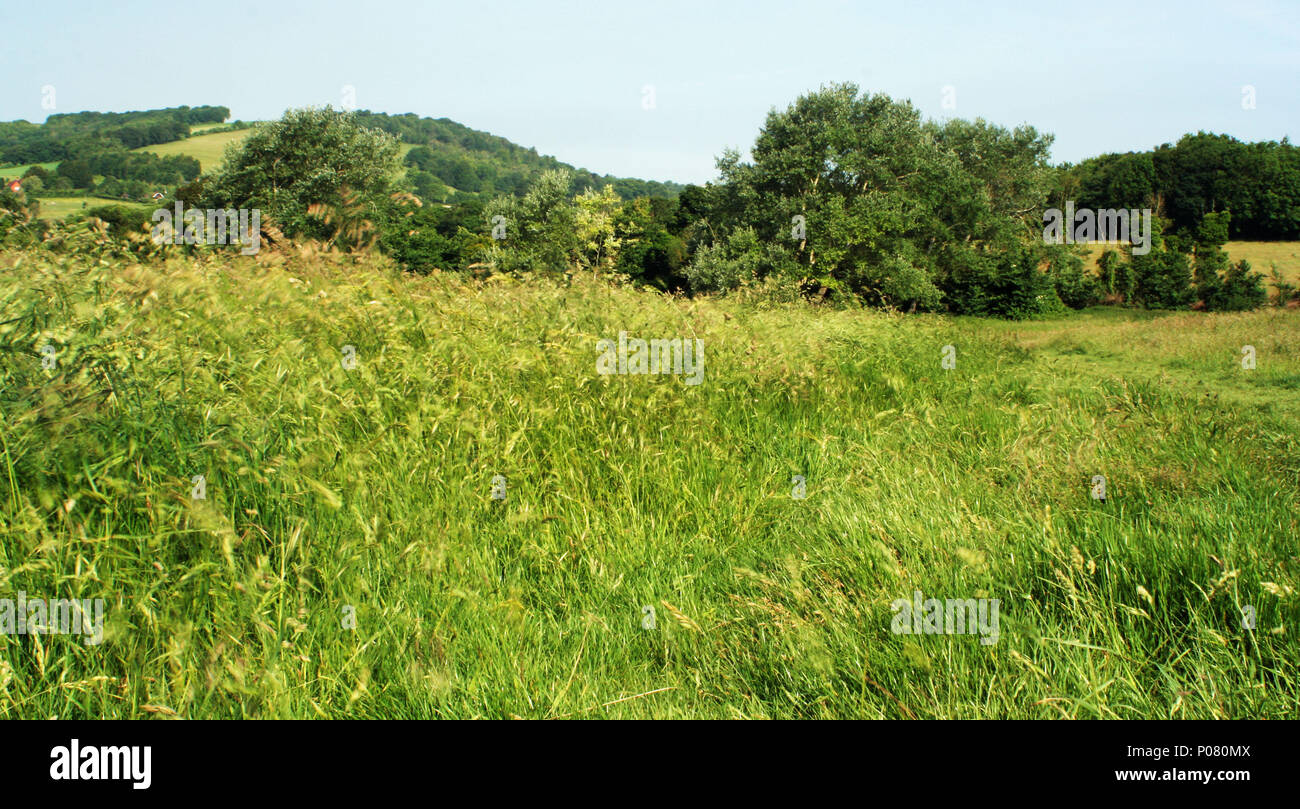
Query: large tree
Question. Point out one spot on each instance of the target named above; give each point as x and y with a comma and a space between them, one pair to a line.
858, 195
320, 157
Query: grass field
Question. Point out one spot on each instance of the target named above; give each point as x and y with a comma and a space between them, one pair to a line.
207, 149
335, 492
63, 207
14, 172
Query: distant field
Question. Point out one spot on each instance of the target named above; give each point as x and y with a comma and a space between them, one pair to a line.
1261, 256
210, 149
18, 171
207, 149
63, 207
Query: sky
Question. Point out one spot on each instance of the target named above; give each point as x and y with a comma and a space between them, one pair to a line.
658, 89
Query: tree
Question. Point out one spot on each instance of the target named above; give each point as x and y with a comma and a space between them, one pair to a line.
76, 172
308, 157
538, 232
1222, 285
594, 219
865, 199
648, 253
1161, 278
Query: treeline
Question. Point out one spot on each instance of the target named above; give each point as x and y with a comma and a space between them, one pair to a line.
451, 162
853, 198
91, 145
62, 135
1258, 183
133, 175
848, 198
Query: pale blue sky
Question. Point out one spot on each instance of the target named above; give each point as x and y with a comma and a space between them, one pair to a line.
568, 77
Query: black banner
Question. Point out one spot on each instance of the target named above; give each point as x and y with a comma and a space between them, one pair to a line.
140, 760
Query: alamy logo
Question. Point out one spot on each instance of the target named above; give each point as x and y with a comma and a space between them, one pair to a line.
90, 763
209, 226
60, 616
637, 356
1110, 225
954, 616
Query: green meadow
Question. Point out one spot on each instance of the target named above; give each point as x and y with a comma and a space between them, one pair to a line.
14, 172
207, 149
63, 207
348, 559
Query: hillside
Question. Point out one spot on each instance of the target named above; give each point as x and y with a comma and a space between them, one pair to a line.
208, 149
347, 558
446, 161
474, 162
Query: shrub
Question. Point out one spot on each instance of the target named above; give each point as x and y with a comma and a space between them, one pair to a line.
1284, 291
122, 219
1117, 277
1000, 284
1075, 287
1236, 290
1162, 279
740, 259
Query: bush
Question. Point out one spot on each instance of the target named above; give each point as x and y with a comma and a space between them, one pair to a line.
655, 259
1236, 290
1005, 284
1284, 291
907, 286
1162, 279
1117, 277
741, 259
121, 219
1075, 287
417, 240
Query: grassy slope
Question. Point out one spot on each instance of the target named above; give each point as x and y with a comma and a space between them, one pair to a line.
210, 149
207, 149
14, 172
63, 207
370, 488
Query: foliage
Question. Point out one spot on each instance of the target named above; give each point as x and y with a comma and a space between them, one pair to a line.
869, 201
1201, 174
308, 157
538, 230
1116, 275
63, 134
472, 162
1075, 286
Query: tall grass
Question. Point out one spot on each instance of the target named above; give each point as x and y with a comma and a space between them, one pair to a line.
369, 488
